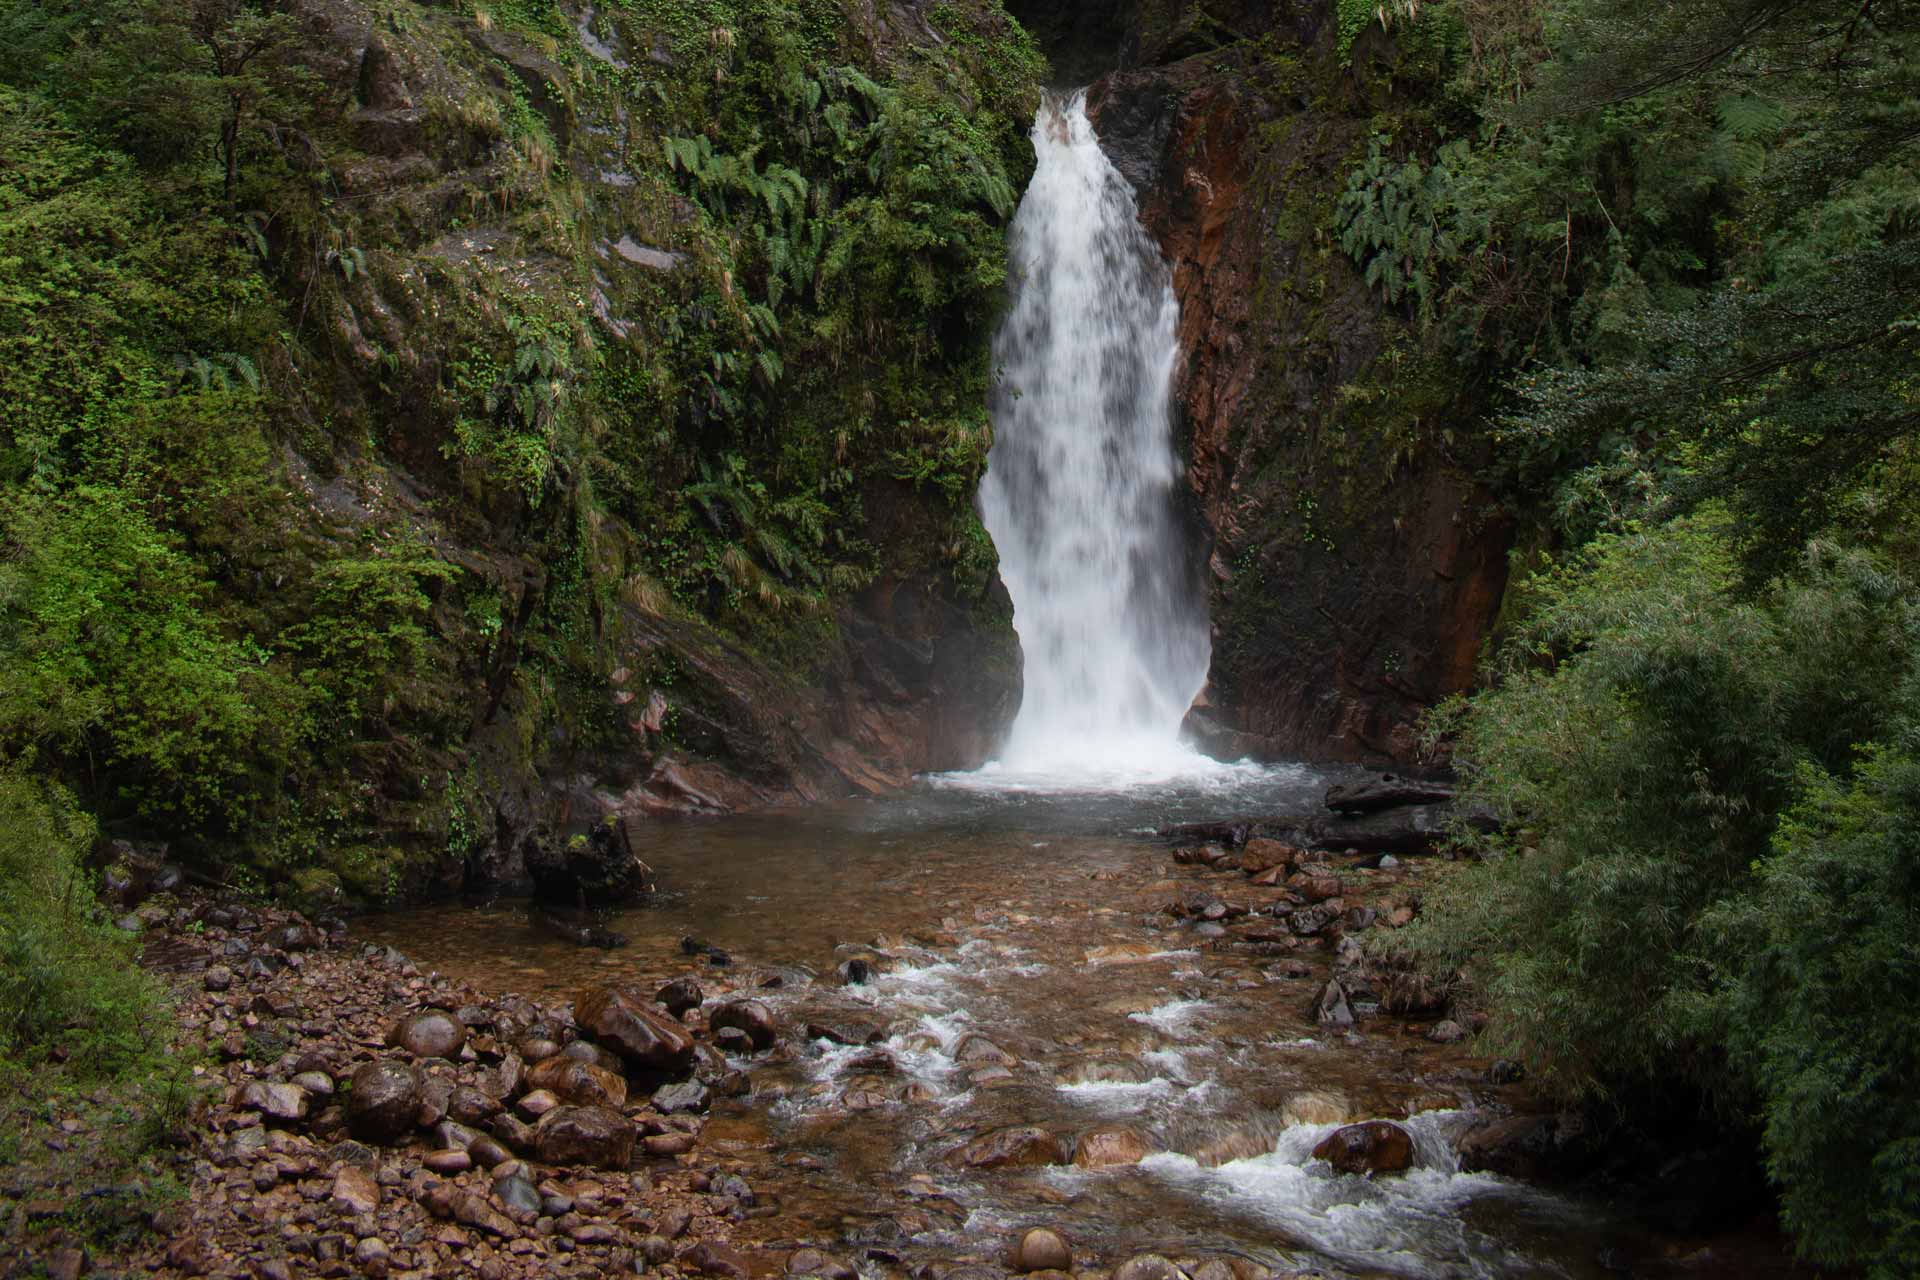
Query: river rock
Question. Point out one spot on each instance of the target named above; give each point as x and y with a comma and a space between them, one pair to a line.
537, 1104
619, 1017
1332, 1009
593, 1055
1384, 792
1261, 855
448, 1163
288, 1102
847, 1031
751, 1016
1148, 1266
688, 1095
581, 1083
1314, 888
1447, 1032
1373, 1147
1019, 1147
383, 1100
711, 1259
584, 1135
432, 1033
1041, 1249
812, 1262
1315, 1106
356, 1190
1107, 1147
470, 1106
976, 1050
680, 995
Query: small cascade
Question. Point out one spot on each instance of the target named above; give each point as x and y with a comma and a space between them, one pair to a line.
1082, 484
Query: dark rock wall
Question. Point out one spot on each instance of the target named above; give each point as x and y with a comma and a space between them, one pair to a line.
1356, 566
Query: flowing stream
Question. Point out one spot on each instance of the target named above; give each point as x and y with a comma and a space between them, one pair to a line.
1025, 967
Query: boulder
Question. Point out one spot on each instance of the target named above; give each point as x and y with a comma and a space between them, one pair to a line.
624, 1020
383, 1100
1110, 1146
1041, 1249
580, 1083
750, 1016
1372, 1147
597, 865
288, 1102
1386, 791
432, 1033
356, 1190
1019, 1147
584, 1136
1148, 1266
593, 1055
1262, 855
688, 1095
680, 995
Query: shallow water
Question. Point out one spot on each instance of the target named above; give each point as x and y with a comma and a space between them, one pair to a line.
1030, 917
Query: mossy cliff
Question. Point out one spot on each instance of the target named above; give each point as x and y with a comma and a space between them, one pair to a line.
434, 429
1356, 564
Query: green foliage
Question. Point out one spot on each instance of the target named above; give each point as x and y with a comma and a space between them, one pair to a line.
66, 975
1652, 722
1407, 222
1822, 958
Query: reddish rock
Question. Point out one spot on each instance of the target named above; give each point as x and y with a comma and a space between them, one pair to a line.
1107, 1147
1041, 1249
585, 1136
383, 1101
1372, 1147
579, 1083
432, 1033
1020, 1147
752, 1017
624, 1020
1261, 854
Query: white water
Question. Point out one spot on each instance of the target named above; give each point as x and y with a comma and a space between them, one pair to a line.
1081, 485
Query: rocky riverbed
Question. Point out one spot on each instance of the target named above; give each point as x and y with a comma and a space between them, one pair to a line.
1142, 1057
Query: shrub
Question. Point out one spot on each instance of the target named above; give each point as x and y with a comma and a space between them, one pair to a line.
66, 974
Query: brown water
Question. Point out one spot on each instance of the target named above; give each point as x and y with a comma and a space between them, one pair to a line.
1033, 919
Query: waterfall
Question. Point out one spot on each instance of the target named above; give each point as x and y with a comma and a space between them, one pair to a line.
1081, 486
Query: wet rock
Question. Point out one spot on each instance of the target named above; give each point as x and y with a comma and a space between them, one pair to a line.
537, 1104
1536, 1148
711, 1259
687, 1096
318, 1084
584, 1135
621, 1019
488, 1152
1384, 792
355, 1190
1019, 1147
680, 995
662, 1145
518, 1196
218, 978
382, 1101
593, 1055
1107, 1147
846, 1031
432, 1033
1314, 888
1374, 1147
1262, 855
1224, 1147
599, 865
750, 1016
857, 971
812, 1262
732, 1040
448, 1163
976, 1050
1447, 1032
512, 1130
287, 1102
580, 930
1041, 1249
1148, 1266
579, 1083
1315, 1106
450, 1201
1332, 1009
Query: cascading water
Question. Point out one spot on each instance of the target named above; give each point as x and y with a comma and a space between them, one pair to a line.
1080, 490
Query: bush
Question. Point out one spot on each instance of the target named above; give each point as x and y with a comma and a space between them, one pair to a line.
66, 974
1821, 1010
1648, 919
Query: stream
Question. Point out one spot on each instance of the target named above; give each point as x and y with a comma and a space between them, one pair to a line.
1025, 974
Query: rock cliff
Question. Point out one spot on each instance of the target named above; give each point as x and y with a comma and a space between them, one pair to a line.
1356, 565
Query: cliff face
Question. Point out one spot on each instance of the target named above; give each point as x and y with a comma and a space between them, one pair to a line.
1356, 567
544, 415
607, 692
